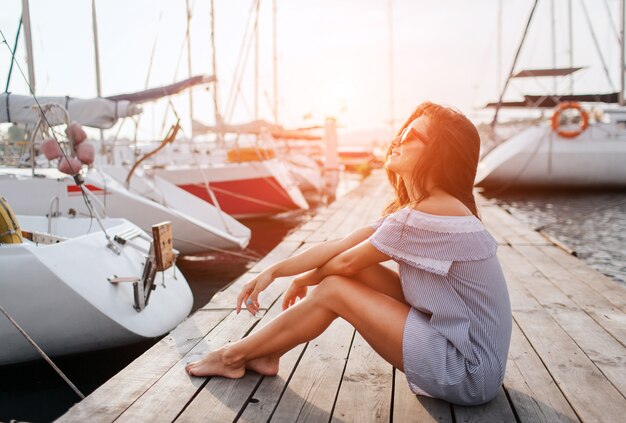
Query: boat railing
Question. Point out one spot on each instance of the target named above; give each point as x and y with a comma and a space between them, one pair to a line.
53, 211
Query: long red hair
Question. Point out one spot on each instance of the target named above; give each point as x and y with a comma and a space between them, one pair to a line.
448, 162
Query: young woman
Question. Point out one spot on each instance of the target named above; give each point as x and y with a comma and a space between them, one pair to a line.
444, 319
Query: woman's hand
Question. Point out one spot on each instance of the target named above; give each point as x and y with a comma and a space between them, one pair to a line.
298, 287
294, 291
250, 292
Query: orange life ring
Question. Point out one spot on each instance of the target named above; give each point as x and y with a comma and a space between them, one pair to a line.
584, 119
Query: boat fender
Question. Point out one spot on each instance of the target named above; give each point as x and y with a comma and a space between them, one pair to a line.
10, 232
584, 119
77, 131
69, 165
51, 149
85, 152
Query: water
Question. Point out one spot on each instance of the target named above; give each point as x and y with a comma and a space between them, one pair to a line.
593, 224
34, 392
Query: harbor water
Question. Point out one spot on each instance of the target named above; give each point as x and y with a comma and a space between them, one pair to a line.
591, 223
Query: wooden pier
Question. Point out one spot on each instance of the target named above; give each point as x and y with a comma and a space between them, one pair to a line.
567, 360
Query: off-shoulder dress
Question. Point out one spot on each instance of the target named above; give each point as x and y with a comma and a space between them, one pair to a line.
456, 336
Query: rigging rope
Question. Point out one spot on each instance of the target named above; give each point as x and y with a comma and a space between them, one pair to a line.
597, 44
42, 353
17, 37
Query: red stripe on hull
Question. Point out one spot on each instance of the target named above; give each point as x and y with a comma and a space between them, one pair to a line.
244, 197
73, 190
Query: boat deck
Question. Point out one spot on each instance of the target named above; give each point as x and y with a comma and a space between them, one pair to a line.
567, 360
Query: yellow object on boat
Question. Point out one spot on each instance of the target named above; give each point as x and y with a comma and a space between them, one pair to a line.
10, 232
250, 154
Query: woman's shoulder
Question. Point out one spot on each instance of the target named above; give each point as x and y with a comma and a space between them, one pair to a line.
442, 207
437, 217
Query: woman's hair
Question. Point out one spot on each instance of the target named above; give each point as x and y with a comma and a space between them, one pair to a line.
449, 159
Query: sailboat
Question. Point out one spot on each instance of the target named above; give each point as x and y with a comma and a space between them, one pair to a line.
81, 284
244, 180
581, 145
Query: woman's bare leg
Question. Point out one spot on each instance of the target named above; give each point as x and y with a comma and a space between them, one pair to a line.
377, 277
336, 296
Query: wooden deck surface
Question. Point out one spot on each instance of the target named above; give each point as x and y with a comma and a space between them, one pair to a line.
567, 360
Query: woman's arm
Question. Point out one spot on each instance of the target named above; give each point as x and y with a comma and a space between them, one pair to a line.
346, 263
310, 259
316, 256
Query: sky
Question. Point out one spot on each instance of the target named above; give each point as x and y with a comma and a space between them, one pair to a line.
333, 55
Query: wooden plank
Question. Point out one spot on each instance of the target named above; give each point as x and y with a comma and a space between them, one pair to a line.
313, 224
575, 293
280, 252
299, 235
505, 226
499, 231
329, 229
222, 399
312, 389
533, 393
228, 298
365, 392
264, 400
602, 348
589, 392
163, 245
111, 399
597, 282
169, 395
525, 232
408, 407
496, 410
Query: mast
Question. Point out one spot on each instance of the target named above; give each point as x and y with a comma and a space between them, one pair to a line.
275, 60
570, 30
96, 49
256, 61
519, 49
218, 119
553, 39
188, 35
392, 114
622, 53
499, 45
29, 46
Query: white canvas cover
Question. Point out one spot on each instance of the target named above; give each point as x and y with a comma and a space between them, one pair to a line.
94, 112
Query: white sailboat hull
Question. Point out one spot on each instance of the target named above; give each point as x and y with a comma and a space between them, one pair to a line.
537, 157
60, 293
205, 230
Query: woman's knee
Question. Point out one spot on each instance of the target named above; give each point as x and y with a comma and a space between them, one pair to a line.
329, 289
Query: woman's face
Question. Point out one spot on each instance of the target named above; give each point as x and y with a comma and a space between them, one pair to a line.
408, 147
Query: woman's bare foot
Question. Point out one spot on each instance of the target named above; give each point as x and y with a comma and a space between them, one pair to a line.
267, 366
214, 364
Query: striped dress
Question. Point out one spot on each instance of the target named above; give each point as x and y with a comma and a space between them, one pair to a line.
456, 336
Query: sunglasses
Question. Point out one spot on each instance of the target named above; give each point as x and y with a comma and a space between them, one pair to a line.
409, 134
